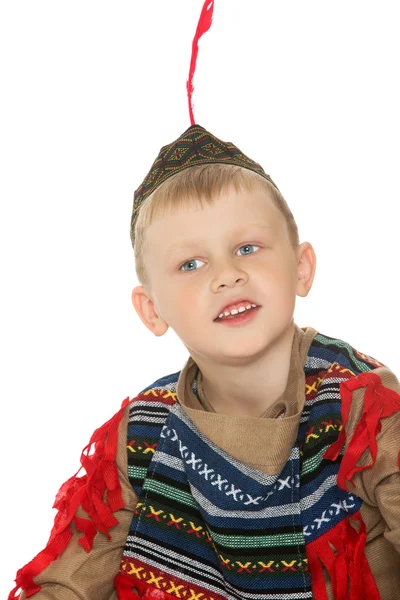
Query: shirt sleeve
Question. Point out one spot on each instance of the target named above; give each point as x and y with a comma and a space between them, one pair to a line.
379, 485
81, 575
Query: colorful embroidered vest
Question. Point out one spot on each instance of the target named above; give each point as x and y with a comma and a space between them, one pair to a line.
208, 527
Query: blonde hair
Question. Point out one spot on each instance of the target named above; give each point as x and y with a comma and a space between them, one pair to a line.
194, 186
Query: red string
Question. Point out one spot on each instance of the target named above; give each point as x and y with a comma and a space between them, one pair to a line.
379, 402
341, 552
203, 25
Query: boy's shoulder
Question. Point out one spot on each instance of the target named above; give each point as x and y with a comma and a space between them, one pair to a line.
333, 350
344, 361
167, 382
162, 393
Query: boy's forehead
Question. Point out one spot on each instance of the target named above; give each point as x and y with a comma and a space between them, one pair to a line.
245, 198
236, 214
185, 242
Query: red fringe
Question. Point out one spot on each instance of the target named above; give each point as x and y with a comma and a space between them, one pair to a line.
203, 25
99, 493
379, 402
346, 564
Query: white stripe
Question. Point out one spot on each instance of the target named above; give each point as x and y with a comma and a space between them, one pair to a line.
170, 461
266, 513
313, 362
313, 498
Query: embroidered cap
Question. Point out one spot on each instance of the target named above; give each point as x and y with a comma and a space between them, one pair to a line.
195, 146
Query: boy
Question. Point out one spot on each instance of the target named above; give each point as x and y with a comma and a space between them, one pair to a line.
268, 467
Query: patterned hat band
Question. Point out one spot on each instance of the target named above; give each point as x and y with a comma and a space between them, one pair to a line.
195, 146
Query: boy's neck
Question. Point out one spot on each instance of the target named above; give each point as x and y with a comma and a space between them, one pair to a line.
248, 391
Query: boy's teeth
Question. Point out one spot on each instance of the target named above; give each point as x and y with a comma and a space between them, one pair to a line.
235, 312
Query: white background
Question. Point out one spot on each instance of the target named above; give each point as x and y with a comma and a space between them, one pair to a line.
90, 91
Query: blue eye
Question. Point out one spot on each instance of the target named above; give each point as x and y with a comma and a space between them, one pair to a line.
248, 246
193, 260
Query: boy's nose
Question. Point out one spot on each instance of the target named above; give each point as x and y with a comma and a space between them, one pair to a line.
229, 276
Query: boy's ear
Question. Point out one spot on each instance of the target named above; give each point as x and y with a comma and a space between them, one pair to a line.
144, 306
306, 264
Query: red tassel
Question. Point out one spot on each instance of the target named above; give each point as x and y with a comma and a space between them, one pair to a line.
379, 402
125, 586
203, 26
101, 480
89, 530
345, 563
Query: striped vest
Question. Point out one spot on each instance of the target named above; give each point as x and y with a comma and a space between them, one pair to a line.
209, 527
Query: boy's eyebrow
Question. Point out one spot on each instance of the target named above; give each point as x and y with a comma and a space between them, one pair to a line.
191, 243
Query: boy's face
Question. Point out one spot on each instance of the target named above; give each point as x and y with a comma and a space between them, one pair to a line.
237, 248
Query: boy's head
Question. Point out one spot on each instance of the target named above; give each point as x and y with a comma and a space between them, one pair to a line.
195, 188
207, 237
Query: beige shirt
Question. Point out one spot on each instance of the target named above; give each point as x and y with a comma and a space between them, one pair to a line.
78, 575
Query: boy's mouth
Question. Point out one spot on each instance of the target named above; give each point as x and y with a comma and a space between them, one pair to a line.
238, 309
